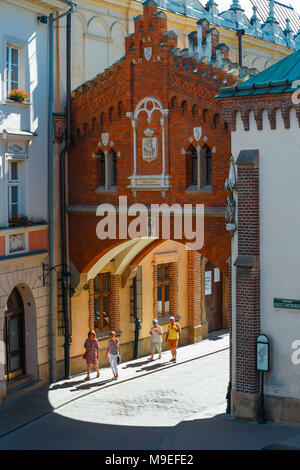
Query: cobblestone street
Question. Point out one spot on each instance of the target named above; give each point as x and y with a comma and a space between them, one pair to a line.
132, 415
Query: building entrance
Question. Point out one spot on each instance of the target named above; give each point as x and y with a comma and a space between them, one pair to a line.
14, 336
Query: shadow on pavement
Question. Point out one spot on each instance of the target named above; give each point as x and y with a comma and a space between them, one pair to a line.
66, 385
135, 364
88, 385
154, 366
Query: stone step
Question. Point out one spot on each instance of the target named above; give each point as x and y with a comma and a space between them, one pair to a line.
22, 380
23, 387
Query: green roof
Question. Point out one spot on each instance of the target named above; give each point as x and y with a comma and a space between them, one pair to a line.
275, 79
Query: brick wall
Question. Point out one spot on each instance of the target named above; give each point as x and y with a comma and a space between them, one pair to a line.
247, 274
186, 87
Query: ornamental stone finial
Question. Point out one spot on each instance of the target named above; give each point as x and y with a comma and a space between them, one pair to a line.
288, 29
254, 18
236, 5
271, 18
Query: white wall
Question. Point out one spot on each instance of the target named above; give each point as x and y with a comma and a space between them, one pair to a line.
279, 169
20, 26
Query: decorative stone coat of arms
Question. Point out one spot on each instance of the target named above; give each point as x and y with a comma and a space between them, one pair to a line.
105, 139
148, 53
149, 146
197, 133
16, 242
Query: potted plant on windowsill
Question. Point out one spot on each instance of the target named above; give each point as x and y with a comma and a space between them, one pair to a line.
20, 220
19, 96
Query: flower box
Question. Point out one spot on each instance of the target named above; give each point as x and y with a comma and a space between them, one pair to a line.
20, 221
18, 95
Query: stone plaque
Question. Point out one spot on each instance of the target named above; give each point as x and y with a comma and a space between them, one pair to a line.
16, 242
149, 149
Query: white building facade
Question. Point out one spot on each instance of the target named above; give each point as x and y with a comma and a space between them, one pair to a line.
24, 237
264, 115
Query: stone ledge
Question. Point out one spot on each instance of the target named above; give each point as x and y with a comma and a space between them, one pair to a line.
247, 262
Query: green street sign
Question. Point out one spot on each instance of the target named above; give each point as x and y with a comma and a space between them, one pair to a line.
287, 303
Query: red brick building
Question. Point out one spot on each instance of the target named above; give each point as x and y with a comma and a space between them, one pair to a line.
149, 128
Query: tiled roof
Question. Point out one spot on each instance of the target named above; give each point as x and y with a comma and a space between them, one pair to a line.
279, 78
268, 21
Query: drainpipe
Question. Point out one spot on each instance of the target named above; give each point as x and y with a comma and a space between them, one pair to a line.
136, 320
62, 157
50, 203
240, 33
50, 186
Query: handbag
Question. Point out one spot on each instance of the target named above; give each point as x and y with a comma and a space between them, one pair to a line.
85, 356
118, 359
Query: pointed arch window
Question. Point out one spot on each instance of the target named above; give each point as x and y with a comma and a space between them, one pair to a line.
206, 166
199, 168
113, 169
107, 170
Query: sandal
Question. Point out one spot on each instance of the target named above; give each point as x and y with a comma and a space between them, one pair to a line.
87, 377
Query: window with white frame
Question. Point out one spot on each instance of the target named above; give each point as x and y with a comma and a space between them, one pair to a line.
13, 188
12, 68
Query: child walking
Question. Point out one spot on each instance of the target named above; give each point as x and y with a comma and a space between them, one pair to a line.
92, 351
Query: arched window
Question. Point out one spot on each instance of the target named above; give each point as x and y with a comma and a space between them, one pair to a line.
206, 166
216, 120
102, 120
191, 166
199, 168
85, 129
174, 102
195, 110
94, 125
120, 109
14, 343
204, 115
113, 169
110, 114
101, 168
184, 107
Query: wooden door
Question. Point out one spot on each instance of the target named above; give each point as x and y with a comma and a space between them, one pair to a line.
14, 337
213, 297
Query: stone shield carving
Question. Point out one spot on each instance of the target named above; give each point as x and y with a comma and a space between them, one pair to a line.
197, 133
149, 149
105, 139
148, 52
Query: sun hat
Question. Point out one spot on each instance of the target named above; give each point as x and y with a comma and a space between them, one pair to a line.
172, 318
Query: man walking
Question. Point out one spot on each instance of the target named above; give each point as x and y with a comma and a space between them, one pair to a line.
172, 337
156, 333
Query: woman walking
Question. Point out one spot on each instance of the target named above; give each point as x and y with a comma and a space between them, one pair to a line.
156, 333
92, 353
112, 352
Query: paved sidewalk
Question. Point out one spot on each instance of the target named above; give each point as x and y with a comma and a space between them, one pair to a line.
23, 410
213, 429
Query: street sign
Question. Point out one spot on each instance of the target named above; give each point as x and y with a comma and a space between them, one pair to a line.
262, 353
287, 303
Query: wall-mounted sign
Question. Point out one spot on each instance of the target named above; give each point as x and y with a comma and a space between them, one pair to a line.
262, 353
208, 276
216, 275
287, 303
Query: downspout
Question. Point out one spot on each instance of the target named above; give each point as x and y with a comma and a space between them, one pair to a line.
52, 375
240, 33
50, 203
66, 289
